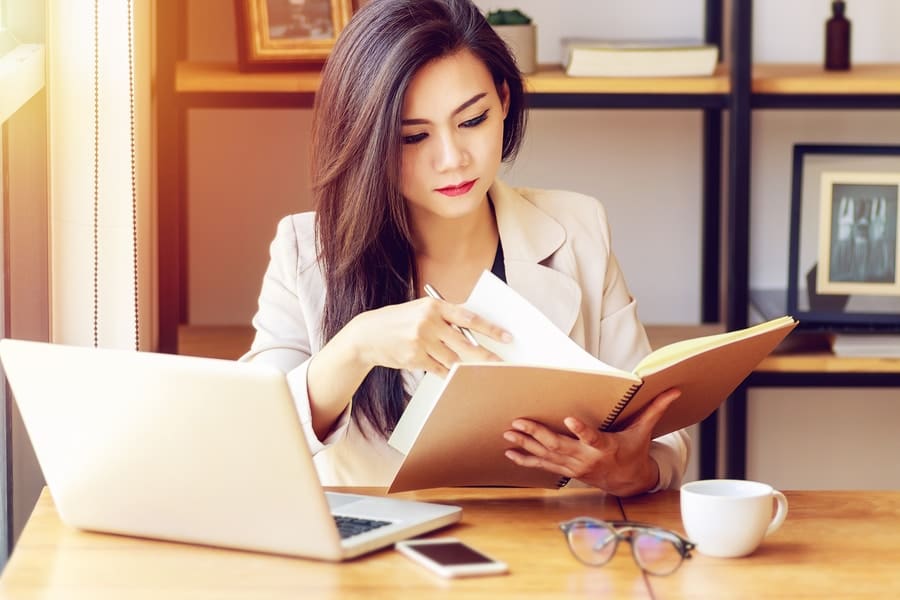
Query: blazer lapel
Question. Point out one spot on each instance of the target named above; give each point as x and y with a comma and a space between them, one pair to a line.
529, 237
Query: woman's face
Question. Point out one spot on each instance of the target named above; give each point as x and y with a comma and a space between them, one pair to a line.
452, 137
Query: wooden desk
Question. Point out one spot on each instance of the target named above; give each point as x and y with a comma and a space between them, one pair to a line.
52, 560
833, 545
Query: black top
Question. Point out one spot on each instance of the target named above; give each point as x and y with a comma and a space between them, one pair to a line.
498, 268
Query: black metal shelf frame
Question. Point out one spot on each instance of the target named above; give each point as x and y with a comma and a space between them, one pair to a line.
633, 101
823, 379
826, 102
743, 102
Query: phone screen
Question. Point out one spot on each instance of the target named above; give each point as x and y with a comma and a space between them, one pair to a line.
452, 553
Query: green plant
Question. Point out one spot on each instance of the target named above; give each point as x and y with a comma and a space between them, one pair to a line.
508, 17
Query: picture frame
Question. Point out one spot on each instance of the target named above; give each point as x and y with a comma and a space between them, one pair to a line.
844, 256
286, 34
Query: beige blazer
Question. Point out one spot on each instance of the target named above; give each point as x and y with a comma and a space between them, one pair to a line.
557, 254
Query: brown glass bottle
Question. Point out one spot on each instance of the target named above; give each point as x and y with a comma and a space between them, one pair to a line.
837, 38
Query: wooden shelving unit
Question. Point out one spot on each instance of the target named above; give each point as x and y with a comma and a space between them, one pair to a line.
802, 79
825, 362
226, 78
783, 79
551, 79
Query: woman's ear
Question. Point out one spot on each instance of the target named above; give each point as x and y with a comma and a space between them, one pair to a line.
503, 90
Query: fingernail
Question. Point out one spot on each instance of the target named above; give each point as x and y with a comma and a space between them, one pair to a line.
509, 437
506, 337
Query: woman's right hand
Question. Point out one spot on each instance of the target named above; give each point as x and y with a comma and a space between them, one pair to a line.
421, 334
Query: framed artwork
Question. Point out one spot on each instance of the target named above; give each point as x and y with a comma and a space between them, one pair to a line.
279, 34
844, 264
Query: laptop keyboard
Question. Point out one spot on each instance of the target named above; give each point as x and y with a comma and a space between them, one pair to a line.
350, 526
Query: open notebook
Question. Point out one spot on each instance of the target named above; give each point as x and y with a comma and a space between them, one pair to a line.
191, 449
545, 376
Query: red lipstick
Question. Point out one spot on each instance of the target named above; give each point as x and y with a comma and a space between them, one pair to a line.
458, 189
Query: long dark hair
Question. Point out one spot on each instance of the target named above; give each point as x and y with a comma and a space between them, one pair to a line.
362, 228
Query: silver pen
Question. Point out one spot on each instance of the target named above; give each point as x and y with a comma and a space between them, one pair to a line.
465, 331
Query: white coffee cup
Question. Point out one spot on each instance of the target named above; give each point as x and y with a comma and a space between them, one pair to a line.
730, 517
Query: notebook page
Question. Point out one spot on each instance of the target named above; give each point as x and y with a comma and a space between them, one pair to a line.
536, 340
676, 351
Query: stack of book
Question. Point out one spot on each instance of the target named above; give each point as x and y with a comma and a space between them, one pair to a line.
873, 345
649, 58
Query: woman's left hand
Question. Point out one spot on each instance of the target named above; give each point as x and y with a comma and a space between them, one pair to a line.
617, 462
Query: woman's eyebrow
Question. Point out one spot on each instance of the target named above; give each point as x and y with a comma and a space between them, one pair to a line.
456, 111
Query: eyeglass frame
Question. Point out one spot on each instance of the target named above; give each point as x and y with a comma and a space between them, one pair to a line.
624, 530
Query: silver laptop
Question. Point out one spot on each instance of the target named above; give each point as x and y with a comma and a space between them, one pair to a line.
190, 449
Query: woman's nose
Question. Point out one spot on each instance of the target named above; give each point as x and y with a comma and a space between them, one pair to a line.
450, 154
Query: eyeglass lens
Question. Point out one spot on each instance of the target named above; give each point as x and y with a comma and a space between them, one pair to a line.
655, 554
594, 543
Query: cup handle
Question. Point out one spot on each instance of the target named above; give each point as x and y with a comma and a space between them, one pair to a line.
780, 513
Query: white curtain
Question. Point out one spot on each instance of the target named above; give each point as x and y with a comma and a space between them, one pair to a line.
79, 287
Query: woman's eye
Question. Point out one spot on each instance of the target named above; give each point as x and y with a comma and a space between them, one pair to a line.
476, 121
414, 139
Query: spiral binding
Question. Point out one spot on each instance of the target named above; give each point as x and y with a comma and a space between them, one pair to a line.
607, 423
619, 407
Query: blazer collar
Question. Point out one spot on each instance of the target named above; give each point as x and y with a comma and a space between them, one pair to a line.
530, 237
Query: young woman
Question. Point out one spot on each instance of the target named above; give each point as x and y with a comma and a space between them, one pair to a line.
419, 104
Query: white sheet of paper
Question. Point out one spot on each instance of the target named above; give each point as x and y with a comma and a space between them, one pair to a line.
536, 340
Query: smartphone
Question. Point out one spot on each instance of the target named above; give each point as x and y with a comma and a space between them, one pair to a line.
449, 557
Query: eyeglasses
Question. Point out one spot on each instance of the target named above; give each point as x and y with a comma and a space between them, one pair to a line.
656, 551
